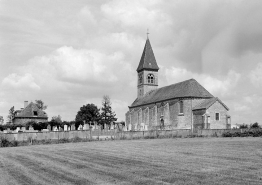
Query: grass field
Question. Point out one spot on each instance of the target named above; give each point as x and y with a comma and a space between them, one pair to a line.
156, 161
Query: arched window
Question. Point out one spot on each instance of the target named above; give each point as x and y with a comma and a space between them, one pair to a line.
181, 107
150, 78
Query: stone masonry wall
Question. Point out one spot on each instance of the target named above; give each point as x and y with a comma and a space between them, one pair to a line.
184, 121
144, 87
217, 108
172, 117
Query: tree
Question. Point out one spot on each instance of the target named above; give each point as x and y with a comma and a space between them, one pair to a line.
40, 104
1, 120
57, 119
107, 114
88, 113
11, 114
255, 125
243, 126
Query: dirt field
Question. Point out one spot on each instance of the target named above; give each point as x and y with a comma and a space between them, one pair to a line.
156, 161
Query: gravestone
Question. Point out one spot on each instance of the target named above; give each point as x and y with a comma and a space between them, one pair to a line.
31, 128
80, 127
55, 128
60, 129
23, 129
49, 127
17, 129
68, 128
125, 128
65, 127
73, 127
86, 127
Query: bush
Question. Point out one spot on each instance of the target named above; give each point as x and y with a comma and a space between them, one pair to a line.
64, 140
243, 126
255, 125
4, 142
245, 133
76, 139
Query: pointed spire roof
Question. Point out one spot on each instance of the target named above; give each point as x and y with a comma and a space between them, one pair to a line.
148, 60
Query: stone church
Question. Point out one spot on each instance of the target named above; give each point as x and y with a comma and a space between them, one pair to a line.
183, 105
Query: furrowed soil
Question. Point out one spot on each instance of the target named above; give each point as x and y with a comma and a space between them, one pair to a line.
155, 161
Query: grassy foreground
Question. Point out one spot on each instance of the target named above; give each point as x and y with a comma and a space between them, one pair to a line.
156, 161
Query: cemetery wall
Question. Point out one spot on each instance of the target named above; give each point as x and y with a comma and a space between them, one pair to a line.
216, 132
94, 134
108, 134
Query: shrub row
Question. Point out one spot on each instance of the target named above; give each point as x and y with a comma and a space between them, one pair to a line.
244, 133
5, 143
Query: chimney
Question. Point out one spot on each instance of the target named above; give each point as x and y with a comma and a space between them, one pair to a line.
25, 104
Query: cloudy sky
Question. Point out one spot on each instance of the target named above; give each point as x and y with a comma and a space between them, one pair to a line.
70, 53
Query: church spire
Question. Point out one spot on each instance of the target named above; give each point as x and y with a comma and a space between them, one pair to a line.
148, 60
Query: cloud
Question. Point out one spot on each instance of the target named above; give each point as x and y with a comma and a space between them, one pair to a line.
16, 81
133, 13
218, 86
70, 77
255, 76
77, 66
74, 53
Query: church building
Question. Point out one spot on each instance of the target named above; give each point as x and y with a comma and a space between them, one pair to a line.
183, 105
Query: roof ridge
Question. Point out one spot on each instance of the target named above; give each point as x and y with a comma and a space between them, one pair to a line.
184, 89
176, 83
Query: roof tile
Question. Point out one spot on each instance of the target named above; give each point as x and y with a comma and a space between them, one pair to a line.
148, 60
29, 111
188, 88
207, 103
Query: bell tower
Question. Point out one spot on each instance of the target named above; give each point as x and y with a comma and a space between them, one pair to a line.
147, 71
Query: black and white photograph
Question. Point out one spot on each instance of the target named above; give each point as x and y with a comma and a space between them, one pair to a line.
130, 92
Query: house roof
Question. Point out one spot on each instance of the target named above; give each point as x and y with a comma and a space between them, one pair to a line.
189, 88
148, 60
28, 111
208, 103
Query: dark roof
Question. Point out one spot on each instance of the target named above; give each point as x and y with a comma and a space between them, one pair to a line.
28, 111
189, 88
207, 103
148, 60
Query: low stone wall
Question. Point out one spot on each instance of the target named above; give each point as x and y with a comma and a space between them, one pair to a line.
216, 132
153, 134
83, 134
110, 134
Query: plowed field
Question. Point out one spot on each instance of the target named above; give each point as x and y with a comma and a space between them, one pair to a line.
155, 161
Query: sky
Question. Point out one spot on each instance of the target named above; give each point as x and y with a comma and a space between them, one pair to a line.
71, 53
